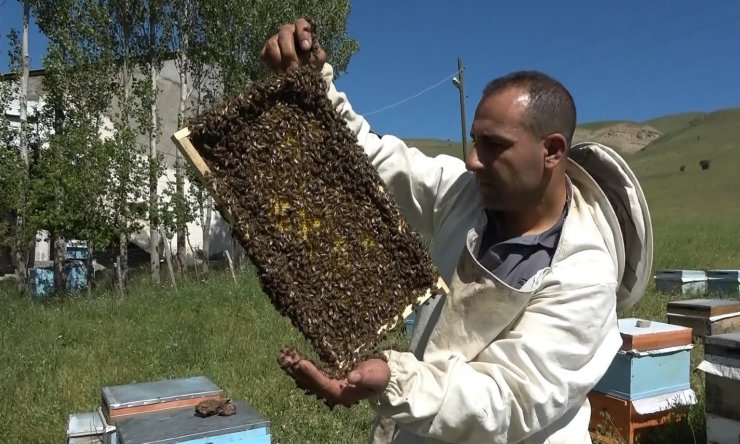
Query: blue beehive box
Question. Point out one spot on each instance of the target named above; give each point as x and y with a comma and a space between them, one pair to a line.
681, 281
649, 371
76, 275
41, 282
182, 426
76, 249
725, 282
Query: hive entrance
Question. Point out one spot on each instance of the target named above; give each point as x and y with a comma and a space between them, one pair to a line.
332, 250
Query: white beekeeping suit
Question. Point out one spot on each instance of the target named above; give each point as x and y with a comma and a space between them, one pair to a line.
491, 363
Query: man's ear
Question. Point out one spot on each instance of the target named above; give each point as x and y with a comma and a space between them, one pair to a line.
556, 148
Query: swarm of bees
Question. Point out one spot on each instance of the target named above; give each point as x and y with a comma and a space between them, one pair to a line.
332, 250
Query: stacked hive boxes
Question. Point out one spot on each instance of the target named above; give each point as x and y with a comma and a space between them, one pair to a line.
681, 281
721, 367
647, 383
724, 282
164, 412
705, 317
42, 278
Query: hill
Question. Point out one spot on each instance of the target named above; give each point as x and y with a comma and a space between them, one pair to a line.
695, 212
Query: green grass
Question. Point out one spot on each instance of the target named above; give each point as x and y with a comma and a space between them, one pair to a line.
672, 123
56, 356
594, 126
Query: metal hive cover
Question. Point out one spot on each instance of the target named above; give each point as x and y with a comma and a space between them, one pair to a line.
332, 249
155, 392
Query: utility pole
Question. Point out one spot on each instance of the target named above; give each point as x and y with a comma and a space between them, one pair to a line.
460, 85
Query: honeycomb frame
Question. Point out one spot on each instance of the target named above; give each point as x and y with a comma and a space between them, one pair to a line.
332, 249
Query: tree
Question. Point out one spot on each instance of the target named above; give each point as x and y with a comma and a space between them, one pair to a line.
183, 17
215, 45
23, 247
13, 169
234, 32
130, 168
72, 187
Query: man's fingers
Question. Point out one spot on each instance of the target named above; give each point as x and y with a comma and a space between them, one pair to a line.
303, 34
272, 56
319, 58
286, 42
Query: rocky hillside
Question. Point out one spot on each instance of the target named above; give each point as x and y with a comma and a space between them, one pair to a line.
625, 137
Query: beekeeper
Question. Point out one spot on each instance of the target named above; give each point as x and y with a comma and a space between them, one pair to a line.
540, 243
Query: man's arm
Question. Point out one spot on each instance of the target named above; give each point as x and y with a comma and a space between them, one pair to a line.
421, 185
521, 384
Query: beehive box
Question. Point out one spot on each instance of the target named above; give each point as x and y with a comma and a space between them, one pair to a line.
181, 426
128, 400
681, 281
41, 280
722, 430
659, 364
724, 346
721, 367
76, 249
90, 428
333, 252
705, 317
722, 375
724, 282
76, 275
615, 419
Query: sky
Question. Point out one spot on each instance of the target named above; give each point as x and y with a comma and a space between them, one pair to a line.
626, 60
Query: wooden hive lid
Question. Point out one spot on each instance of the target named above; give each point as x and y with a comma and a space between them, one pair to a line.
725, 340
723, 348
704, 307
652, 335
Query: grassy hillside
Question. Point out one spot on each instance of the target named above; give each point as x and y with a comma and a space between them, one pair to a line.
672, 123
695, 212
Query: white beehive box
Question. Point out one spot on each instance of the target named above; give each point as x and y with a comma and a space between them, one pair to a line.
681, 281
90, 428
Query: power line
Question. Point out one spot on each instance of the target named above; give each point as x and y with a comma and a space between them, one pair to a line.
633, 49
424, 91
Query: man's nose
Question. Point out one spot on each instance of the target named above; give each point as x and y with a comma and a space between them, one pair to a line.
472, 163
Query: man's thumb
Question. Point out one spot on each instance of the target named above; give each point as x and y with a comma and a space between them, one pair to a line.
354, 377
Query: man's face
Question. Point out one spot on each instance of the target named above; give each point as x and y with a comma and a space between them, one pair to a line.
507, 158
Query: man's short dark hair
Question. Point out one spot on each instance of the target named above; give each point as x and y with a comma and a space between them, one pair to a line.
551, 108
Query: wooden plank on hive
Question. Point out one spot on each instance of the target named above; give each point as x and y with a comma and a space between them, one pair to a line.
641, 335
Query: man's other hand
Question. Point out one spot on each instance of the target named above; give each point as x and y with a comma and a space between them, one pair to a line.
368, 378
291, 47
